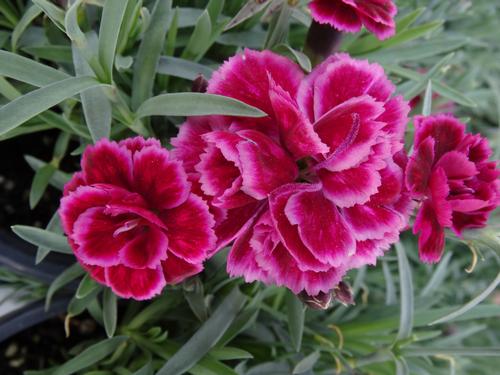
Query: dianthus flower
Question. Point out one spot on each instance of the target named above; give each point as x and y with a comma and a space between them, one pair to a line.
316, 187
132, 220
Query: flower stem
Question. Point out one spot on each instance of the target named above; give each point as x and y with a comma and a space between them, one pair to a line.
322, 41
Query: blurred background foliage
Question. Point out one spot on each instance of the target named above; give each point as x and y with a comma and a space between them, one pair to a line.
408, 318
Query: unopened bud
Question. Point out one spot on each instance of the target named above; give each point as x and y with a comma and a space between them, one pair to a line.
321, 301
343, 293
200, 84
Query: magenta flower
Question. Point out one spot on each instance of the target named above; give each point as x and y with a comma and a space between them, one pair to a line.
449, 173
316, 187
130, 218
350, 15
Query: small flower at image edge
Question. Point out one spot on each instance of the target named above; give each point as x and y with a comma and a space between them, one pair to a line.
132, 220
450, 174
351, 15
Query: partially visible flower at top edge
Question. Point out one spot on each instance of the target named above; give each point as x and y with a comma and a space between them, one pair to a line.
316, 187
351, 15
451, 175
130, 214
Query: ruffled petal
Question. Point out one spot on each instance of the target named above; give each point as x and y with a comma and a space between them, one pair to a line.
139, 284
350, 132
288, 233
373, 221
264, 165
431, 234
145, 249
107, 163
351, 186
251, 69
189, 228
419, 168
97, 238
446, 131
297, 132
456, 165
286, 272
176, 269
321, 227
161, 181
336, 14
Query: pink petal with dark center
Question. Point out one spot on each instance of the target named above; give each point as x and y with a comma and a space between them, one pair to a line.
94, 232
145, 249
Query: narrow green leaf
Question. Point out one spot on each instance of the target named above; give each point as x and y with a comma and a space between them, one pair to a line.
471, 304
195, 296
196, 104
29, 15
177, 67
26, 70
61, 146
307, 363
91, 355
96, 105
427, 106
250, 9
109, 311
54, 53
278, 30
419, 86
438, 276
53, 226
459, 352
298, 56
44, 238
78, 305
145, 370
149, 52
406, 294
67, 276
80, 41
40, 183
28, 106
109, 32
439, 87
390, 289
296, 315
199, 39
401, 366
206, 337
214, 9
52, 11
87, 286
58, 180
229, 354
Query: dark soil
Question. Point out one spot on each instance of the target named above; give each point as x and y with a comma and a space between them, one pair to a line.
45, 345
15, 181
16, 177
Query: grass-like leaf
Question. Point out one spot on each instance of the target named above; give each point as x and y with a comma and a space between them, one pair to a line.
206, 337
196, 104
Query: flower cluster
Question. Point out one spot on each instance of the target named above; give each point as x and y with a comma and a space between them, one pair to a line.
350, 15
319, 186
